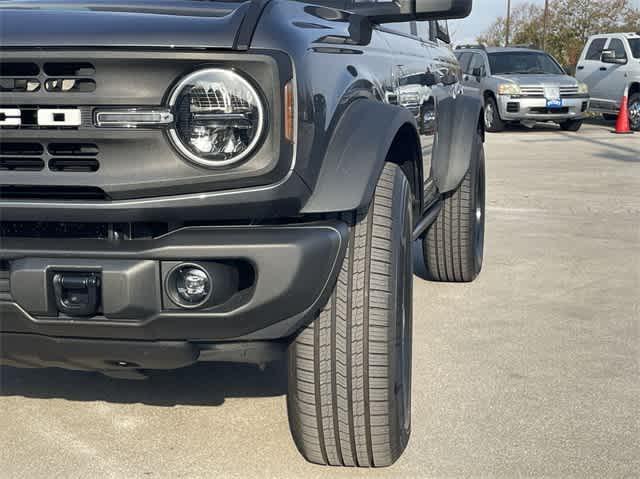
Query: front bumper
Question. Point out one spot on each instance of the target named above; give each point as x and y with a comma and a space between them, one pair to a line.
293, 270
518, 108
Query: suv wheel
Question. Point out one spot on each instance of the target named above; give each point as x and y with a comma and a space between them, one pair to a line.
492, 120
453, 247
349, 397
571, 125
634, 111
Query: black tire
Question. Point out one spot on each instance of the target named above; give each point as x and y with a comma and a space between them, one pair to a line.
492, 120
634, 112
349, 399
453, 247
571, 125
609, 117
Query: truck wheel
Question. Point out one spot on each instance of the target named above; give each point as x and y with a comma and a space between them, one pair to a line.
453, 247
634, 111
571, 125
349, 399
492, 120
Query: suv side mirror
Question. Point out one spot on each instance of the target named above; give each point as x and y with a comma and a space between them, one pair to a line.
477, 72
609, 56
400, 11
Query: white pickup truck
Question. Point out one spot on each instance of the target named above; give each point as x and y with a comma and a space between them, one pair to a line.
609, 64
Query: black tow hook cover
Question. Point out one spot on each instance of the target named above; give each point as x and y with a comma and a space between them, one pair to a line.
77, 294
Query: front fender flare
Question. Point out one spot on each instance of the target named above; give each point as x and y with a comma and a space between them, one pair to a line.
356, 155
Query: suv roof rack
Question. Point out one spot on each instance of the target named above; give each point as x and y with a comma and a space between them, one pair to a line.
469, 47
522, 45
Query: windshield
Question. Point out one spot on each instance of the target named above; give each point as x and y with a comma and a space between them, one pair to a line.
635, 47
528, 63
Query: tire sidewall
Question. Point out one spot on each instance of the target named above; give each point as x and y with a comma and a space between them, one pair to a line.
402, 274
478, 191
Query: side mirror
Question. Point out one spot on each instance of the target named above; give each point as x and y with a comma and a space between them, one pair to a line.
400, 11
429, 79
609, 56
477, 72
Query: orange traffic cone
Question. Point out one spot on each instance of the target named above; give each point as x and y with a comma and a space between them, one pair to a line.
623, 127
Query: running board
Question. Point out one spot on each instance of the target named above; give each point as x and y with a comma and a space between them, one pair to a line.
427, 220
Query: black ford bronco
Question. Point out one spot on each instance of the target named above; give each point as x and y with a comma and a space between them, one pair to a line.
190, 181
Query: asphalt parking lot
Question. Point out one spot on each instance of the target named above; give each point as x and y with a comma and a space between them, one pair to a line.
532, 371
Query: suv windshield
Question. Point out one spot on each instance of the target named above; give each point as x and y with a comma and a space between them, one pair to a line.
511, 63
635, 47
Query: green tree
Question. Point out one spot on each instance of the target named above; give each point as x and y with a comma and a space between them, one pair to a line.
569, 25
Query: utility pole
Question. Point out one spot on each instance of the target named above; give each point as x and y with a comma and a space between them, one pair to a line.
508, 23
544, 28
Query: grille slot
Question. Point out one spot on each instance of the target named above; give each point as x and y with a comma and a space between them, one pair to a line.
69, 69
73, 149
21, 149
21, 192
5, 285
21, 164
100, 231
77, 165
549, 111
19, 69
19, 85
569, 90
70, 85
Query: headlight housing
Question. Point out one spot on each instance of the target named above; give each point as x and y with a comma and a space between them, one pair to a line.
219, 117
583, 89
509, 89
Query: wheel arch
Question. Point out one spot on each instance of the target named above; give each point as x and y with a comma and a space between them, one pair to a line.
634, 88
353, 161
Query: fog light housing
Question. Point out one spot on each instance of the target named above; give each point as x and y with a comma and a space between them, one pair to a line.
189, 286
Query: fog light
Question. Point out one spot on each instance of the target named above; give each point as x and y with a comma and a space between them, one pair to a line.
189, 286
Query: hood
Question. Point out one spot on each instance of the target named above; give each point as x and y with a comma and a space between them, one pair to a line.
135, 23
539, 80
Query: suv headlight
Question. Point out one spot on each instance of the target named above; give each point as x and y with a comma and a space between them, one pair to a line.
219, 117
509, 89
583, 89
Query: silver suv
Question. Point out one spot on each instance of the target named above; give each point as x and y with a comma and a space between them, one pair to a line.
609, 64
522, 85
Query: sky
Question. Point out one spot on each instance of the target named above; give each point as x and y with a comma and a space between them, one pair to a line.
483, 15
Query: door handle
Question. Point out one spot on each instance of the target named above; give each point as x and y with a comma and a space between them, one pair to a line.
580, 68
603, 69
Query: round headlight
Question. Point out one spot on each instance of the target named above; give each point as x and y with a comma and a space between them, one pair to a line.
219, 117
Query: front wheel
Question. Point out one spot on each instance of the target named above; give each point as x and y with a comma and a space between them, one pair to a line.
349, 398
571, 125
453, 247
492, 120
634, 111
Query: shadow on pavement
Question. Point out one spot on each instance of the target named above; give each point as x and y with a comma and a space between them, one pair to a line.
207, 384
